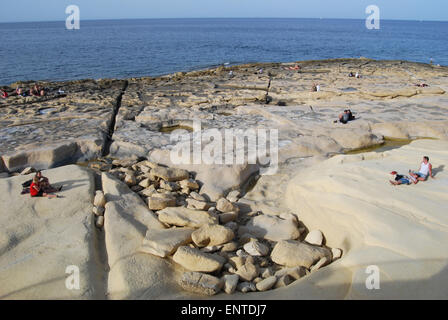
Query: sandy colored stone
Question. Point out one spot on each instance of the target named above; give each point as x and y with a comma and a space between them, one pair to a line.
266, 284
183, 217
194, 260
164, 242
315, 237
212, 235
170, 174
293, 253
270, 228
201, 283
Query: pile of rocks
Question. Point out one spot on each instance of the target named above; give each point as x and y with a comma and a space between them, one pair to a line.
219, 247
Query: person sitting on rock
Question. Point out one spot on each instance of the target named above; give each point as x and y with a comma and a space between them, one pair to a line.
4, 94
351, 75
400, 179
37, 91
44, 183
357, 75
424, 172
346, 116
20, 92
315, 87
36, 189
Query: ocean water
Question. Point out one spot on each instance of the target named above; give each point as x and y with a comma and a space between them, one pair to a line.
134, 48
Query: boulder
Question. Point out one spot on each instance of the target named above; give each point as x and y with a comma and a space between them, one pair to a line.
184, 217
100, 199
170, 174
189, 183
256, 248
315, 237
212, 235
163, 242
270, 228
195, 260
42, 239
266, 284
201, 283
227, 217
293, 253
159, 201
199, 205
230, 283
225, 205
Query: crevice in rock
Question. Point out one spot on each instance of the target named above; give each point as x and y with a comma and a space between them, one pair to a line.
111, 129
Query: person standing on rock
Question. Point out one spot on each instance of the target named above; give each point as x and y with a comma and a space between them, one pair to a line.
424, 172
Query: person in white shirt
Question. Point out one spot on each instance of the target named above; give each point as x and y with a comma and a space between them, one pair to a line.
424, 172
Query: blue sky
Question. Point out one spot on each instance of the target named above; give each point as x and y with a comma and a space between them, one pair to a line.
54, 10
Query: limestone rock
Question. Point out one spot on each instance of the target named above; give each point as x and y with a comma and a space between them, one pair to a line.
293, 253
230, 283
130, 180
294, 272
284, 281
248, 271
266, 284
194, 260
225, 205
233, 196
336, 253
27, 170
212, 235
98, 211
270, 228
184, 217
199, 205
170, 174
189, 183
197, 196
201, 283
246, 286
160, 201
227, 217
256, 248
322, 262
100, 199
163, 242
315, 237
99, 221
170, 186
145, 183
229, 247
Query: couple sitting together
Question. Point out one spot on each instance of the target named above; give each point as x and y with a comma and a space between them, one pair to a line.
41, 187
414, 177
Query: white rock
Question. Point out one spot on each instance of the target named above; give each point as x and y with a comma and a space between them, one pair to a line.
98, 211
233, 196
256, 248
184, 217
230, 283
199, 205
197, 196
315, 237
266, 284
270, 228
163, 242
100, 199
27, 171
194, 260
337, 253
100, 221
145, 183
212, 235
225, 205
322, 262
292, 253
201, 283
130, 180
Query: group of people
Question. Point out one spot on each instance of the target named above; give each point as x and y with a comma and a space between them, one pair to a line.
41, 187
357, 75
35, 91
424, 172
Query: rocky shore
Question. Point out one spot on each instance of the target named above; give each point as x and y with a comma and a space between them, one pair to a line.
139, 226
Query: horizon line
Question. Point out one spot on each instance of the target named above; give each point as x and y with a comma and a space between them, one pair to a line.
203, 18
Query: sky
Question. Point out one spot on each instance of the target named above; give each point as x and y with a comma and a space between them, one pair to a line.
54, 10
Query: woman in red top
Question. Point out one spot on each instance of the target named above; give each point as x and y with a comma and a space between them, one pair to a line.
37, 191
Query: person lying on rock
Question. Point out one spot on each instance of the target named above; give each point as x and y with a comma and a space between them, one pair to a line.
3, 94
36, 189
400, 179
44, 183
345, 117
424, 172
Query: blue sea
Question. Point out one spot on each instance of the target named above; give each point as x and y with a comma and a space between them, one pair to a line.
134, 48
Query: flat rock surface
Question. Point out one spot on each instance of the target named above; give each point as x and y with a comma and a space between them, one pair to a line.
41, 237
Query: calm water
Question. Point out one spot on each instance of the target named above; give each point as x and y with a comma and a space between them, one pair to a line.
132, 48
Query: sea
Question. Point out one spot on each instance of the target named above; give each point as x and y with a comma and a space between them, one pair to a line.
153, 47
